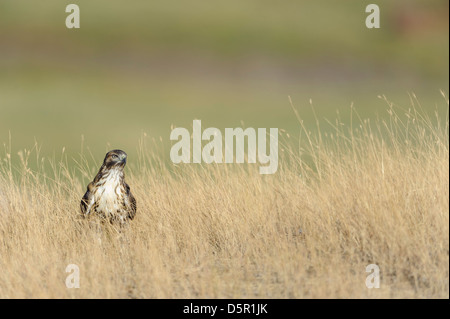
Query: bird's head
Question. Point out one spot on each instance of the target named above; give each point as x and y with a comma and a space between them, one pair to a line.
115, 159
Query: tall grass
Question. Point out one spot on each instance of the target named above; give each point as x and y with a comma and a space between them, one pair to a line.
373, 193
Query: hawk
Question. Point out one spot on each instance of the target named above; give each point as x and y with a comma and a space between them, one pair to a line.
108, 196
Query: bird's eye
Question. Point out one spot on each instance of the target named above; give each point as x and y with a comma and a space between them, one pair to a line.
114, 156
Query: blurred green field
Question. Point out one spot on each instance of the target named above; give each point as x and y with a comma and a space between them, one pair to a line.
143, 66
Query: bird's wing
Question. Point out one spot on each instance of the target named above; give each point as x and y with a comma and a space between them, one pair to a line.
87, 200
131, 201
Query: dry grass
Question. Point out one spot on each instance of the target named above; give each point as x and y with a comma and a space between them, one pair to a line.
377, 193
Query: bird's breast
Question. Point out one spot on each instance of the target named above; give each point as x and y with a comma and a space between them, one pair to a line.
108, 194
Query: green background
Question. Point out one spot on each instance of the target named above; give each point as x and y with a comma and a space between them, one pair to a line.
142, 66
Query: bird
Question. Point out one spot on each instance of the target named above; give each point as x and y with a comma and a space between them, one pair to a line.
108, 196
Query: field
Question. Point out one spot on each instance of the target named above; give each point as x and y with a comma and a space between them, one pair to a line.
363, 120
373, 192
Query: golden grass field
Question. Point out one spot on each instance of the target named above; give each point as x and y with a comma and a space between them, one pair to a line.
376, 193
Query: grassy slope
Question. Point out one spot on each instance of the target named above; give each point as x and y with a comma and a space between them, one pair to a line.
376, 194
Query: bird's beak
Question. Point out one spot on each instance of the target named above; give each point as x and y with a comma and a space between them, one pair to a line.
123, 159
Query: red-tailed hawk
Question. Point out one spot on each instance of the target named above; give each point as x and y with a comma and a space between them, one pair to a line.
108, 196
